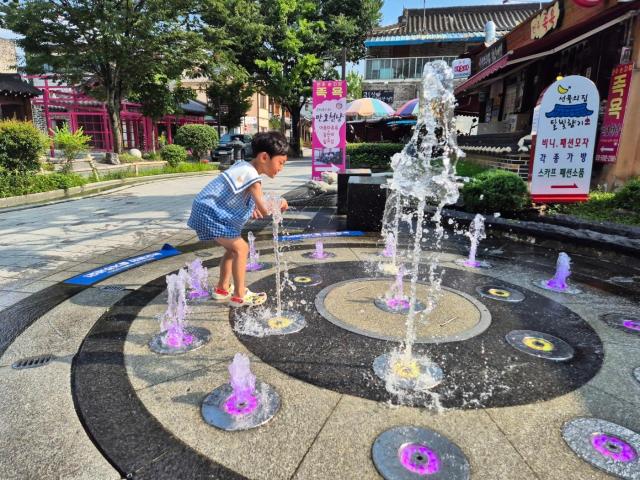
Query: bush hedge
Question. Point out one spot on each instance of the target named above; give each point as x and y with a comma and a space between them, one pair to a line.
496, 191
14, 184
197, 138
173, 154
376, 156
21, 145
628, 197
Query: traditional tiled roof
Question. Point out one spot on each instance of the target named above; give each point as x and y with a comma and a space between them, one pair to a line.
12, 84
457, 20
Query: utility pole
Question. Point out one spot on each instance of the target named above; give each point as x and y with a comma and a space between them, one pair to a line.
219, 117
424, 15
344, 63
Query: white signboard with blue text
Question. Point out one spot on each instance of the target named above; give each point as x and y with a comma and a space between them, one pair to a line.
565, 141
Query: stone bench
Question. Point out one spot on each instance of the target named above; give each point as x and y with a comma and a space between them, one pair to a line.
366, 200
343, 181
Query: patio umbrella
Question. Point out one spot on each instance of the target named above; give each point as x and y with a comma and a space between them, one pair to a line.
369, 107
410, 108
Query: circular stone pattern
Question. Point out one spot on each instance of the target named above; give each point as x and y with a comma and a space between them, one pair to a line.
481, 372
409, 453
610, 447
351, 305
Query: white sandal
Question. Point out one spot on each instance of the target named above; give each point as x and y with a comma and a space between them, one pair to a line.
250, 299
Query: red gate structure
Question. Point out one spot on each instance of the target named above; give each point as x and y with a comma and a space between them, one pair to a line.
60, 104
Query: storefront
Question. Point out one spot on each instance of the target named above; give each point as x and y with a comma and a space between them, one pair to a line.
565, 38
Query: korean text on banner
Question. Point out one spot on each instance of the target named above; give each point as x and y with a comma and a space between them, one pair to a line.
607, 151
565, 141
329, 139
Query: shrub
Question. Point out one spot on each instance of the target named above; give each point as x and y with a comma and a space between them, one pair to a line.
13, 184
628, 197
152, 156
71, 143
21, 145
197, 138
496, 191
372, 155
174, 154
128, 158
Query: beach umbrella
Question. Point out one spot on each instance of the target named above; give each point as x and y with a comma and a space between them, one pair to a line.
410, 108
369, 107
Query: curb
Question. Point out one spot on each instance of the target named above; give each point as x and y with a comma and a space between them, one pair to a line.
54, 196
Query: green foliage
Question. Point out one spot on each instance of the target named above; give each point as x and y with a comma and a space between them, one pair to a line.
354, 85
159, 96
469, 169
46, 166
275, 123
21, 145
496, 191
601, 206
71, 143
128, 158
173, 154
628, 197
372, 155
152, 156
182, 167
14, 184
118, 45
231, 87
197, 138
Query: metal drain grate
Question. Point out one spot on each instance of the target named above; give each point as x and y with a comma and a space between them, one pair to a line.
112, 288
33, 362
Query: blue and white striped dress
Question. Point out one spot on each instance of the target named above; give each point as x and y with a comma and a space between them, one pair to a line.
223, 207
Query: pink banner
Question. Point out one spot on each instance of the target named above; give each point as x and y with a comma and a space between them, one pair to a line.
607, 151
329, 140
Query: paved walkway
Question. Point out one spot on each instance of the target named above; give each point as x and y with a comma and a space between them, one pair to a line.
40, 246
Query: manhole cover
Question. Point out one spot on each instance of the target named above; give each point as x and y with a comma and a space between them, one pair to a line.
112, 288
409, 453
623, 321
605, 445
541, 345
33, 362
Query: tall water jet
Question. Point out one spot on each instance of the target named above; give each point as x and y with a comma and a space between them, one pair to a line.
395, 300
253, 263
243, 403
559, 281
175, 336
475, 233
423, 172
390, 247
198, 279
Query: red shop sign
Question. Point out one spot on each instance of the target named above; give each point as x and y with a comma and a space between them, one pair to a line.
587, 3
607, 150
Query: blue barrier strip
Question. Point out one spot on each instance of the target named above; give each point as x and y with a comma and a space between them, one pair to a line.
106, 271
304, 236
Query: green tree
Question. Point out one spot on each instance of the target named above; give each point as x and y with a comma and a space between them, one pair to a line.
110, 46
231, 88
354, 85
71, 143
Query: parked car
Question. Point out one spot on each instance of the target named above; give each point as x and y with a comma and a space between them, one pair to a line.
224, 151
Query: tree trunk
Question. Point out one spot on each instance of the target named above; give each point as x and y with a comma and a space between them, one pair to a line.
295, 130
113, 108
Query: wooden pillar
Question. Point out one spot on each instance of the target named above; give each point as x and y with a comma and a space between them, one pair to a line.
628, 163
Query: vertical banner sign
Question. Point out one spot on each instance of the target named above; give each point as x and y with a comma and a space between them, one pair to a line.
607, 151
329, 127
565, 141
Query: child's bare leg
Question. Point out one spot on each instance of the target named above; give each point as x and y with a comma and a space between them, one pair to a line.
238, 250
225, 270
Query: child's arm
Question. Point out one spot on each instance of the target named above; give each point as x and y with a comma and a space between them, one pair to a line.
261, 205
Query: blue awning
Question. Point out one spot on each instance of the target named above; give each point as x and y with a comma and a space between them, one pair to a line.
388, 41
402, 122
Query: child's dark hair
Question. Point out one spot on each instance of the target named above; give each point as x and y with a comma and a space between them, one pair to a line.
272, 143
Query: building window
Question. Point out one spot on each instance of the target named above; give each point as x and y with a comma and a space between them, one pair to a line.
263, 101
399, 68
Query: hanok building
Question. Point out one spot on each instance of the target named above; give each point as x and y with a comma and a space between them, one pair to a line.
15, 94
396, 54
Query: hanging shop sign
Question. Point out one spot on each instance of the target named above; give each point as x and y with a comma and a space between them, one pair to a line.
329, 140
545, 21
461, 68
491, 55
587, 3
565, 141
384, 95
607, 151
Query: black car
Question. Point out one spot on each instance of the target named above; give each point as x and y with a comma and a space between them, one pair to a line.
224, 151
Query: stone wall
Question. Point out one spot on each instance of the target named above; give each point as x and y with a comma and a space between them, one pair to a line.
8, 57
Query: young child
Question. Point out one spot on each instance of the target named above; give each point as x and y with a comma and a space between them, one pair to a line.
223, 207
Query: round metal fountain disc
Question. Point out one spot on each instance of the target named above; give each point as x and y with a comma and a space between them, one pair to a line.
418, 374
501, 294
541, 345
477, 264
571, 290
312, 255
623, 321
605, 445
214, 412
403, 309
259, 267
288, 322
411, 453
636, 374
199, 337
310, 280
